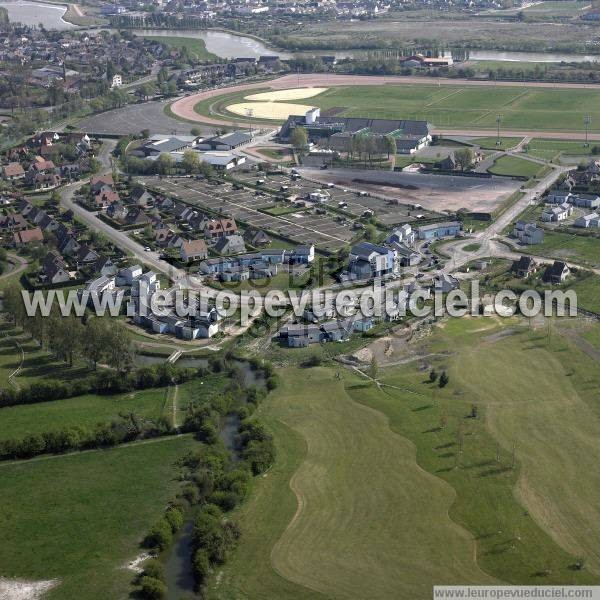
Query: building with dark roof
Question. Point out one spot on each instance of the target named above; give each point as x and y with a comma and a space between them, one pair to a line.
409, 135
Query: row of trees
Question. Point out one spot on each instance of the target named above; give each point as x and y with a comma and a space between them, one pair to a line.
94, 339
127, 428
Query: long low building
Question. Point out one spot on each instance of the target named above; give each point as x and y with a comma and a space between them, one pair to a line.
339, 132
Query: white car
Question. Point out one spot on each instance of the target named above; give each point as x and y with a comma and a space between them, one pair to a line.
147, 249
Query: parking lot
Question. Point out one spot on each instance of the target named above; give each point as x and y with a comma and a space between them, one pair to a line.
353, 201
327, 232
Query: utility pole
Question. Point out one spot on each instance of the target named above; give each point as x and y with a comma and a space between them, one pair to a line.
498, 121
587, 121
250, 114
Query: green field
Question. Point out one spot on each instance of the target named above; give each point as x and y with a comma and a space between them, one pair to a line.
564, 246
353, 546
464, 107
513, 166
528, 524
18, 350
550, 149
81, 518
17, 422
195, 46
490, 143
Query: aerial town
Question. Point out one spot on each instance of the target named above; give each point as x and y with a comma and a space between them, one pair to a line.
299, 299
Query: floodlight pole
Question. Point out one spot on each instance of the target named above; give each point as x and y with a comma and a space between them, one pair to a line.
587, 121
498, 121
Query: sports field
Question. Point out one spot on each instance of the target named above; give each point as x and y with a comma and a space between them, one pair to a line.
464, 106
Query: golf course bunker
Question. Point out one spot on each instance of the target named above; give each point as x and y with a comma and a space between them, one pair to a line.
284, 95
268, 110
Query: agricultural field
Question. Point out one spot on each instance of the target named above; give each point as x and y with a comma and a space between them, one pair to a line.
527, 108
325, 450
80, 518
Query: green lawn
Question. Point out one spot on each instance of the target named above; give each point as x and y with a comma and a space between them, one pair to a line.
17, 422
576, 248
549, 149
513, 166
81, 518
455, 106
490, 143
194, 45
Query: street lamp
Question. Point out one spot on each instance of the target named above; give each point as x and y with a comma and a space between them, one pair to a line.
587, 121
498, 121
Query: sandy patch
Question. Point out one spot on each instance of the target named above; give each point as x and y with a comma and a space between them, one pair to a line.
136, 564
269, 110
284, 95
19, 589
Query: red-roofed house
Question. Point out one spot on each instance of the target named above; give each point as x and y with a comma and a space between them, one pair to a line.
193, 250
29, 236
13, 171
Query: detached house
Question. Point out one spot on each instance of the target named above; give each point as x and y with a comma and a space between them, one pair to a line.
523, 267
556, 273
13, 171
528, 233
27, 237
192, 250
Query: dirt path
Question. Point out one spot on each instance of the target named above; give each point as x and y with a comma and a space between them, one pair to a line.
20, 589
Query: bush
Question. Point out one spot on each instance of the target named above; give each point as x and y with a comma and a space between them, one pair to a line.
160, 536
175, 518
272, 382
154, 569
200, 566
152, 588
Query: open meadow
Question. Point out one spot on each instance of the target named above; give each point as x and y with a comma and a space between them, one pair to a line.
510, 490
80, 518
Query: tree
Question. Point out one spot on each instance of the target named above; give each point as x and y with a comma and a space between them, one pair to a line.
390, 144
433, 376
196, 131
464, 158
444, 379
191, 161
299, 138
164, 164
373, 368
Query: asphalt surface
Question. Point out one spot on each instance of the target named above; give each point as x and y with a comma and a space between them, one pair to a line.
133, 118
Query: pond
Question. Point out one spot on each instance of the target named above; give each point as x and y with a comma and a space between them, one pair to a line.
34, 13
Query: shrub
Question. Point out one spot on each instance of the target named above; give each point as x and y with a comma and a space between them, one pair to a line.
200, 566
154, 569
152, 588
175, 518
160, 536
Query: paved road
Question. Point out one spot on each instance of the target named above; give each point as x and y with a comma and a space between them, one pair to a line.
455, 249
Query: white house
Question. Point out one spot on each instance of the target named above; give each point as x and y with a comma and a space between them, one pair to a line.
554, 214
587, 221
117, 81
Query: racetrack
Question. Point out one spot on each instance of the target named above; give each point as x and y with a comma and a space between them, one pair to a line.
184, 108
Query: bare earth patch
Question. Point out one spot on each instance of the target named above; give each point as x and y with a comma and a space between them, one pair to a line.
19, 589
268, 110
283, 95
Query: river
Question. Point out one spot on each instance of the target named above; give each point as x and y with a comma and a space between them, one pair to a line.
34, 13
